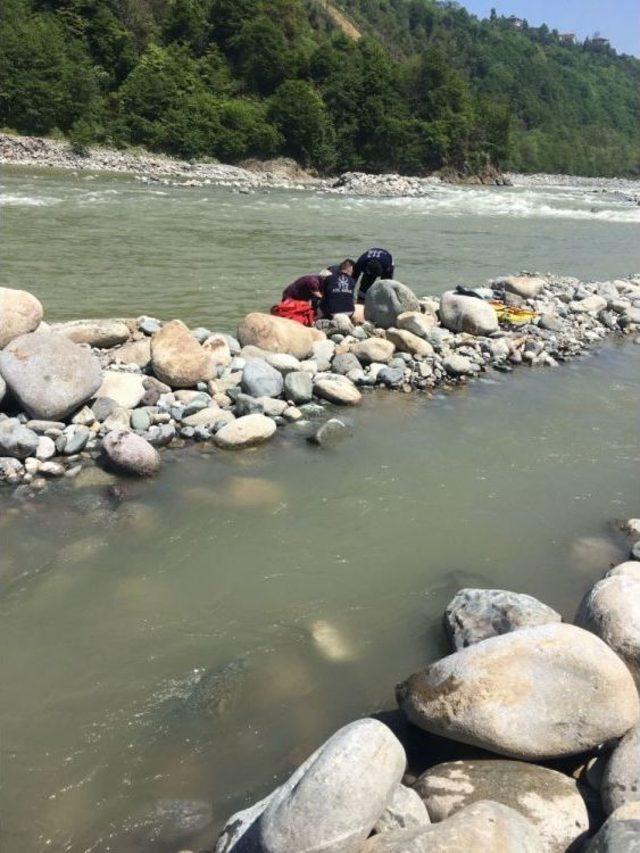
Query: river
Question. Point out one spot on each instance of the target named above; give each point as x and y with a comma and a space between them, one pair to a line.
312, 581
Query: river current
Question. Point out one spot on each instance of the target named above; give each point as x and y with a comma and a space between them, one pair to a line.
308, 582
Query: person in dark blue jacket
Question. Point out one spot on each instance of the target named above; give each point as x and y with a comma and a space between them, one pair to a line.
372, 265
338, 294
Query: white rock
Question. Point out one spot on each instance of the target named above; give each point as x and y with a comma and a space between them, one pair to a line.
540, 692
247, 431
126, 389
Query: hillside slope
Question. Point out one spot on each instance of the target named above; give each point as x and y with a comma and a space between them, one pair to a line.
379, 85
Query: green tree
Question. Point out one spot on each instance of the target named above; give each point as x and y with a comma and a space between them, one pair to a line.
301, 116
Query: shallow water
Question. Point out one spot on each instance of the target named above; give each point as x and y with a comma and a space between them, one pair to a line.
312, 580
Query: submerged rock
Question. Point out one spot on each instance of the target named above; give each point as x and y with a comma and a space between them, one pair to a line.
177, 358
332, 801
217, 690
20, 313
535, 693
130, 453
49, 374
386, 300
329, 434
467, 314
550, 800
483, 827
477, 614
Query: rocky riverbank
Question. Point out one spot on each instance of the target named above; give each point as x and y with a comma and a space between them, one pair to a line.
281, 173
113, 391
541, 722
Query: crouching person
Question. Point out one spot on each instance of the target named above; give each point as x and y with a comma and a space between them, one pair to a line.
338, 295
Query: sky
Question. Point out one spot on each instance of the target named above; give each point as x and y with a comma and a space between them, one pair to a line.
617, 20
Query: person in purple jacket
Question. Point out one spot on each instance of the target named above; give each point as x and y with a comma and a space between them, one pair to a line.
370, 266
307, 288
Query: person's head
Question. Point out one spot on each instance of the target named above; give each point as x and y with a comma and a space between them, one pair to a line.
347, 266
373, 268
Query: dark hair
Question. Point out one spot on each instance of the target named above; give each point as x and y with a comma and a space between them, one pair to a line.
347, 263
373, 267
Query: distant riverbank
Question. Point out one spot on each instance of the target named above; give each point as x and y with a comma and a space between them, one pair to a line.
281, 173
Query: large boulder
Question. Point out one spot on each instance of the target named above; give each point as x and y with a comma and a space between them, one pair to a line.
621, 779
20, 312
102, 334
129, 453
612, 611
260, 379
477, 614
620, 833
17, 440
177, 358
378, 350
526, 286
460, 313
49, 374
480, 828
125, 389
337, 389
247, 431
536, 693
277, 334
332, 801
386, 300
550, 800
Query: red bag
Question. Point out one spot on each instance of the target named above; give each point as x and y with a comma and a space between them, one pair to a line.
295, 309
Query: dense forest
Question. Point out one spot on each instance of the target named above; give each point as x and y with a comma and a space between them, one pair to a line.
425, 86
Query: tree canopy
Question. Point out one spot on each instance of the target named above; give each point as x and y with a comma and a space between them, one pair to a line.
428, 86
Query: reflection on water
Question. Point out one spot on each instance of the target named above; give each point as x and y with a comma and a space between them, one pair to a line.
172, 655
173, 648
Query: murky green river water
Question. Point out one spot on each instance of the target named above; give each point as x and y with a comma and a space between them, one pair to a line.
313, 580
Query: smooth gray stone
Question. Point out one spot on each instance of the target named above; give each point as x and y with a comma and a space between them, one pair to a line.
621, 778
260, 379
140, 420
49, 374
404, 811
247, 405
386, 300
332, 801
76, 442
617, 836
477, 614
391, 376
298, 387
345, 362
17, 440
330, 433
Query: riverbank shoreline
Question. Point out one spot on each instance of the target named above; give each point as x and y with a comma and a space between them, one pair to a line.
111, 392
278, 174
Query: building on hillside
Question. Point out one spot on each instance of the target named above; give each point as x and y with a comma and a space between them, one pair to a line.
516, 23
567, 38
598, 43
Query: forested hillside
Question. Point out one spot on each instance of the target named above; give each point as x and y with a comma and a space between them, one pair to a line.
426, 87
